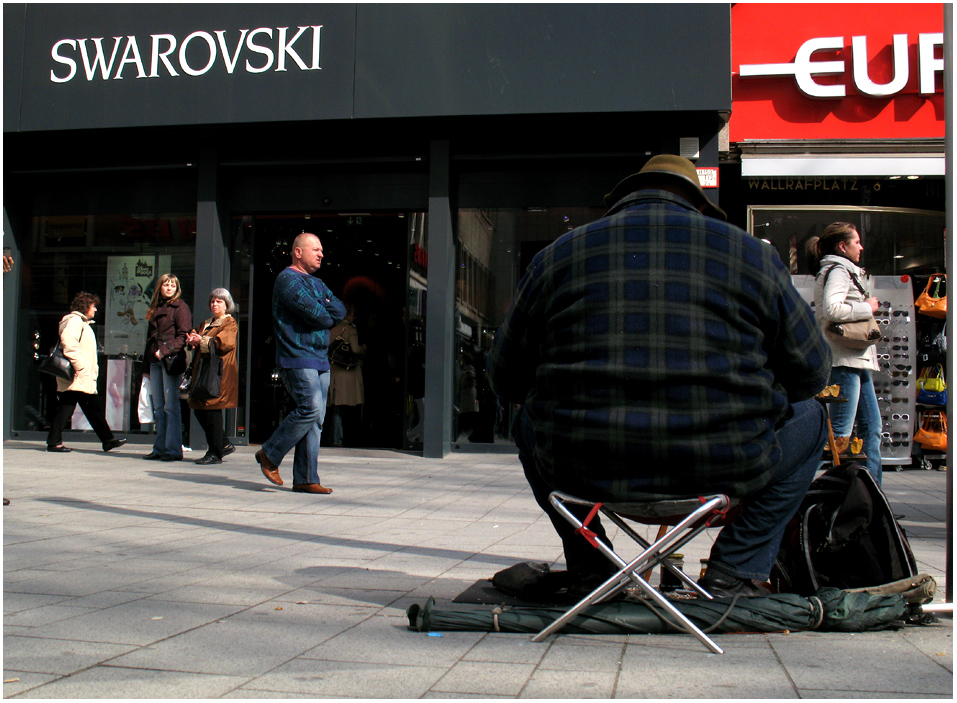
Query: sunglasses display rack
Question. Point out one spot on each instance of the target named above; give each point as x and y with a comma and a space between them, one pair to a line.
896, 382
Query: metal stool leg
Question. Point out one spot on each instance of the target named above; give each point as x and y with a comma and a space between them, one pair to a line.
653, 554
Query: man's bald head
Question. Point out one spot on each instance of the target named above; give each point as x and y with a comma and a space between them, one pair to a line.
306, 253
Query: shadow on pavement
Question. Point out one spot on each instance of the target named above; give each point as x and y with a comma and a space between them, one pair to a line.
285, 534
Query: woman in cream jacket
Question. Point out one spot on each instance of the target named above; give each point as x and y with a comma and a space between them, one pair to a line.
79, 346
840, 296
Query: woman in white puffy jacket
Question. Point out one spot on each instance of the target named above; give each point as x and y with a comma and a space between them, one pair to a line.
840, 296
79, 346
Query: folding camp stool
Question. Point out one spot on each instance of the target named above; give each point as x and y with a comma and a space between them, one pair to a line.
687, 518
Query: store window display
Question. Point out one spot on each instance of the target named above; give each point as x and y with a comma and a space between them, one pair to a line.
121, 255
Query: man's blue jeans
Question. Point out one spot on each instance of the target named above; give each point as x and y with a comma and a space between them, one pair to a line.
302, 428
167, 412
747, 547
857, 385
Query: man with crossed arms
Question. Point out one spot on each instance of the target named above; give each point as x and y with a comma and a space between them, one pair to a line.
303, 310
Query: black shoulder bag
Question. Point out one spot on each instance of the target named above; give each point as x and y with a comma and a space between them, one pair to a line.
208, 379
56, 363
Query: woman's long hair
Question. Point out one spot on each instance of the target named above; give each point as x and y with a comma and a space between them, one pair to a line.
158, 298
829, 241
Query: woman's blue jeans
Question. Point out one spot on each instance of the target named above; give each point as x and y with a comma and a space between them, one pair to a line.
302, 428
166, 411
857, 385
336, 418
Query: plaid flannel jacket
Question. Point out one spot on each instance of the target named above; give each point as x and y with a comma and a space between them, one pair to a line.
655, 350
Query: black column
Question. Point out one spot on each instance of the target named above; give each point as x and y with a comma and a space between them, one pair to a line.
211, 268
11, 328
440, 316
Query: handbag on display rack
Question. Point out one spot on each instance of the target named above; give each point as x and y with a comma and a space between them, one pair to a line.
859, 334
931, 302
933, 387
932, 433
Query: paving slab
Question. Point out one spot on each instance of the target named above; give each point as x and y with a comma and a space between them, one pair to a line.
335, 679
117, 682
249, 643
132, 580
486, 678
55, 655
552, 683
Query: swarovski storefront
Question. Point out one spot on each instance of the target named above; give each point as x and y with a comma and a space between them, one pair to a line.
434, 149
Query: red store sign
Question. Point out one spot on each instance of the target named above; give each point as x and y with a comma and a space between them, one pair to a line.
837, 71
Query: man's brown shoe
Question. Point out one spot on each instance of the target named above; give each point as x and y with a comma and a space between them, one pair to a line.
311, 488
269, 471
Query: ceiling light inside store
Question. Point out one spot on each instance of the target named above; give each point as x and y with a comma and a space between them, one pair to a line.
912, 178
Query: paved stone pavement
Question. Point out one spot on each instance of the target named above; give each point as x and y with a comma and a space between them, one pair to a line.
133, 579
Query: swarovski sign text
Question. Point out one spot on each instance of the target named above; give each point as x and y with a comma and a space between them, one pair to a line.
804, 69
196, 55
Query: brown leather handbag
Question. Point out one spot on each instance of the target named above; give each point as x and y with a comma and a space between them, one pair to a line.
859, 334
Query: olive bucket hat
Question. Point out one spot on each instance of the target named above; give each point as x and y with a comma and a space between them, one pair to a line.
667, 166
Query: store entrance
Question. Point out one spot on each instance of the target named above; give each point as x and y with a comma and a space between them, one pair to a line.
366, 264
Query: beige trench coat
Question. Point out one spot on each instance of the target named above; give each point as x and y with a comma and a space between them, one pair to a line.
79, 346
345, 385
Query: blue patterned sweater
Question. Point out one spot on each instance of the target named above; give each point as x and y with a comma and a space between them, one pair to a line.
303, 312
655, 350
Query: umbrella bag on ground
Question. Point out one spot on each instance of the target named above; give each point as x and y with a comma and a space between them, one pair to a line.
844, 535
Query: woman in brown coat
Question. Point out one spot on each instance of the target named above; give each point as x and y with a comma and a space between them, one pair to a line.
223, 331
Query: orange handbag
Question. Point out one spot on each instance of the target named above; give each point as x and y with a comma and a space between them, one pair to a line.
930, 302
932, 433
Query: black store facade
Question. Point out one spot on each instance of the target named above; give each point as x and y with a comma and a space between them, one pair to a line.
434, 149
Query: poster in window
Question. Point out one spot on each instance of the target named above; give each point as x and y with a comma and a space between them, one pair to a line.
130, 284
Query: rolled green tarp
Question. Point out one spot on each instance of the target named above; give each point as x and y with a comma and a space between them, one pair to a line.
830, 609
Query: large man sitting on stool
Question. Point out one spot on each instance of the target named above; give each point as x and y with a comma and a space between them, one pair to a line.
661, 350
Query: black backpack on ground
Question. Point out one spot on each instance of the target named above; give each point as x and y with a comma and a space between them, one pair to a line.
844, 535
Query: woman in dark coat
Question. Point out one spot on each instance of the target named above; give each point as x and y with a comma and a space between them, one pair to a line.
169, 323
221, 330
